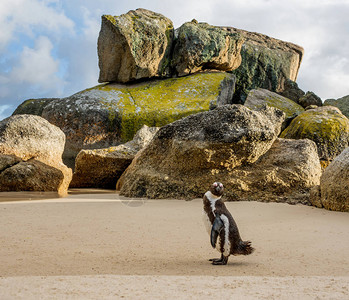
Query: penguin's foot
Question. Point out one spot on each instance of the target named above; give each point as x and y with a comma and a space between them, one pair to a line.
219, 261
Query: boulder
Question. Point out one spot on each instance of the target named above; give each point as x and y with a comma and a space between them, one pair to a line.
101, 168
186, 156
200, 46
309, 99
333, 192
133, 46
259, 97
33, 106
110, 114
266, 63
285, 173
35, 147
326, 126
341, 103
31, 175
291, 90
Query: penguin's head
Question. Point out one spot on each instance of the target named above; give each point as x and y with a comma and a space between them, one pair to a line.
217, 189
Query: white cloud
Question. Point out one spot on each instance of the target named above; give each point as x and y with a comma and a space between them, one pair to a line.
36, 65
58, 54
26, 16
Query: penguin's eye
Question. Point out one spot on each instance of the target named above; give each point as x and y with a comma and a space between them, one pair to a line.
221, 185
215, 184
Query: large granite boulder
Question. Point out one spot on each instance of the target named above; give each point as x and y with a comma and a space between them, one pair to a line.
309, 99
135, 45
326, 126
266, 63
108, 115
200, 46
101, 168
186, 156
259, 97
291, 90
341, 103
333, 191
31, 149
285, 173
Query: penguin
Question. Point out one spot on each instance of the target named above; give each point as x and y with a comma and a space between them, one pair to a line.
220, 225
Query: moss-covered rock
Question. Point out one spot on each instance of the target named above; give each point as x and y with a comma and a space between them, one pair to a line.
259, 97
326, 126
341, 103
135, 45
266, 63
201, 46
309, 99
33, 106
109, 114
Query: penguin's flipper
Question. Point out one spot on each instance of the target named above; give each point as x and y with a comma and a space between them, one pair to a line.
216, 229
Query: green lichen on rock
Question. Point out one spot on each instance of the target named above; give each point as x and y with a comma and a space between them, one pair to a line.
160, 102
33, 106
266, 63
326, 126
109, 114
134, 45
259, 97
341, 103
200, 46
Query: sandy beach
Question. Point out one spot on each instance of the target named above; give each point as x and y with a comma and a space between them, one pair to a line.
103, 246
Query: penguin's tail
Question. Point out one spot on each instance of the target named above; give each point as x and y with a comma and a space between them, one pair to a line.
245, 248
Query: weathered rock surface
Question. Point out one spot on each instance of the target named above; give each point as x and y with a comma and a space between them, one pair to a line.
101, 168
107, 115
30, 175
341, 103
333, 191
135, 45
284, 174
309, 99
33, 106
326, 126
186, 155
291, 90
35, 147
201, 46
259, 97
266, 63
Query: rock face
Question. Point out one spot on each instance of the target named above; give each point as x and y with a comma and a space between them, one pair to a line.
31, 149
101, 168
341, 103
200, 46
326, 126
292, 91
259, 97
135, 45
333, 192
309, 99
266, 63
186, 155
283, 174
107, 115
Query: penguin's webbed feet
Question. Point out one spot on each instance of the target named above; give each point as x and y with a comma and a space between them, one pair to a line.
219, 261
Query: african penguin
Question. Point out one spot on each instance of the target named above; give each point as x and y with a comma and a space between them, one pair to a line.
221, 226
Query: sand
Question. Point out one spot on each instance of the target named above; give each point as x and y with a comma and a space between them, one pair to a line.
103, 246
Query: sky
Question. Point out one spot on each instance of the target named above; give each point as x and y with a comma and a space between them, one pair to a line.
48, 48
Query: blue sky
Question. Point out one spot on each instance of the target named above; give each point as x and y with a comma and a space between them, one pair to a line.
48, 48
